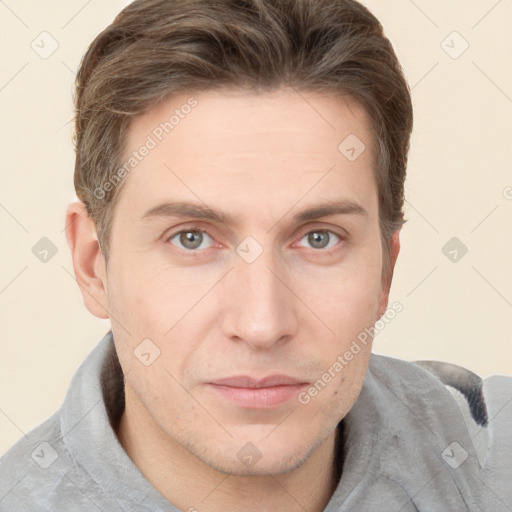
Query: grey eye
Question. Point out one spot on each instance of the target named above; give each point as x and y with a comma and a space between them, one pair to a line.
190, 239
320, 239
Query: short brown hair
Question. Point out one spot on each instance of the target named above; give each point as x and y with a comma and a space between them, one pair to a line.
156, 48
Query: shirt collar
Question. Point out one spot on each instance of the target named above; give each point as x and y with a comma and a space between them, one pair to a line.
400, 407
92, 405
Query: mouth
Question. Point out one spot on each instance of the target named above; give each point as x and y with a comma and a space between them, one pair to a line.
265, 393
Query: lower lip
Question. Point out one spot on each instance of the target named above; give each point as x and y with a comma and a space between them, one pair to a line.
259, 398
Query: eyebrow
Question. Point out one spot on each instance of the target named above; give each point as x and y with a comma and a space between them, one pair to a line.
198, 211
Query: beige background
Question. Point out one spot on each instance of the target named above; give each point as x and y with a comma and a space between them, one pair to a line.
459, 185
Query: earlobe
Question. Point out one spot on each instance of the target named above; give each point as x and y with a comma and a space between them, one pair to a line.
386, 279
88, 260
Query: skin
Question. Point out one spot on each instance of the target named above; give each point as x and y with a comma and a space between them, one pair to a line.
261, 159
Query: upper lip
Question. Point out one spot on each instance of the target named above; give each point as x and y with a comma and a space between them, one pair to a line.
244, 381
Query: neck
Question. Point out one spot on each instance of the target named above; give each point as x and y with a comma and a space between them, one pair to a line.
189, 484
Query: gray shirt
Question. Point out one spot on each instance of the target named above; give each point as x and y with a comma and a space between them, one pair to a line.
422, 436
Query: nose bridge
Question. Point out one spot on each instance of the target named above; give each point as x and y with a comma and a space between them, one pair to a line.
260, 308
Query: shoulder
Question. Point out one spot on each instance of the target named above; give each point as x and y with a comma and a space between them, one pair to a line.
40, 473
30, 468
459, 421
486, 406
452, 394
41, 470
481, 400
467, 383
474, 395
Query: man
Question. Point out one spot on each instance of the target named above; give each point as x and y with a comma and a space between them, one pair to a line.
240, 168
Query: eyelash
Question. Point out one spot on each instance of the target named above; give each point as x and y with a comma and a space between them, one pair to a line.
196, 252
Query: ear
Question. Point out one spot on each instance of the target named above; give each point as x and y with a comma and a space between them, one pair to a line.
88, 261
394, 249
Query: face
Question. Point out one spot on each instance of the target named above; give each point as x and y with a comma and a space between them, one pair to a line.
245, 247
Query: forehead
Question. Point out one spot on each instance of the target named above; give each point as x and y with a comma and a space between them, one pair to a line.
243, 146
243, 119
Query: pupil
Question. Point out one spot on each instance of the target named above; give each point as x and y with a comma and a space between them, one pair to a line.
187, 239
315, 239
192, 239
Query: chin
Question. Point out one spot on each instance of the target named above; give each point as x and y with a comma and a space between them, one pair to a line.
273, 465
258, 456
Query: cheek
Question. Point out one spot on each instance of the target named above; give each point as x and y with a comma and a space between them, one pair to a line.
347, 299
158, 387
149, 299
360, 295
348, 305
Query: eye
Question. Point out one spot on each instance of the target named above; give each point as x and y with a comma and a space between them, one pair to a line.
193, 239
190, 239
321, 238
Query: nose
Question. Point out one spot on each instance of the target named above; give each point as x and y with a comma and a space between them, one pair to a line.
260, 308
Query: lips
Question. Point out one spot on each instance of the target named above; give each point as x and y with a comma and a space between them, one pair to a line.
263, 393
243, 381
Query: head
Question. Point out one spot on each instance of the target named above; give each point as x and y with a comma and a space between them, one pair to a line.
208, 138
